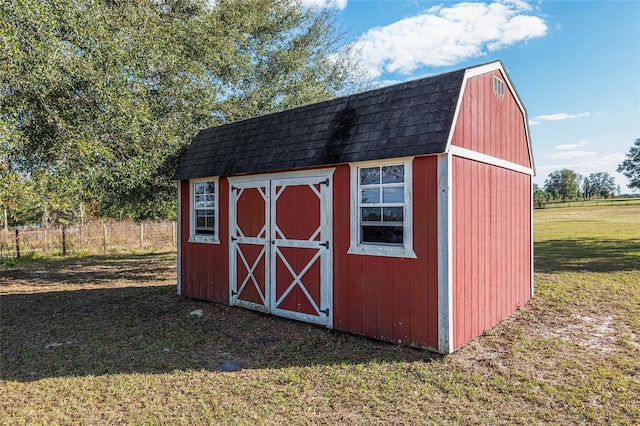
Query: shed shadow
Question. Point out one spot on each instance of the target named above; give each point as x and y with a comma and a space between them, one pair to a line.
150, 330
587, 254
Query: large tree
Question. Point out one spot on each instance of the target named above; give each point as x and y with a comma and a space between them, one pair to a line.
563, 184
100, 97
600, 184
630, 167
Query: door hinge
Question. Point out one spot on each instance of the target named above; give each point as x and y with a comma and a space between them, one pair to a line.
234, 188
234, 293
325, 244
233, 239
325, 182
325, 311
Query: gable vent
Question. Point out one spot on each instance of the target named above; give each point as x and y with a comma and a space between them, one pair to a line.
498, 86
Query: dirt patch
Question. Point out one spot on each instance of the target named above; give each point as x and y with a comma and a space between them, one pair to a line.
591, 332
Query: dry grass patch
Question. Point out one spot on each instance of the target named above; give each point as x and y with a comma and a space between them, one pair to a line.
105, 340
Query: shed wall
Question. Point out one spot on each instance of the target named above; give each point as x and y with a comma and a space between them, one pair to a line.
389, 298
205, 267
492, 124
492, 252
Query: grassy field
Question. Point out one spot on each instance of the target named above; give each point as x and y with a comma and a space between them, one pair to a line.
105, 340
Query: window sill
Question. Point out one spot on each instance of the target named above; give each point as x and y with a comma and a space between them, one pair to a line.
204, 239
383, 251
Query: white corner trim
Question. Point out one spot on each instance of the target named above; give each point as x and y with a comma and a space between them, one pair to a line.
179, 241
532, 248
406, 250
488, 159
445, 260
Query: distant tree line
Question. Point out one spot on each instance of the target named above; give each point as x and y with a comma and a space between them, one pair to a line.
567, 185
99, 98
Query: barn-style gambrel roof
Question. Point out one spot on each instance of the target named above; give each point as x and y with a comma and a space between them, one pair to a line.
408, 119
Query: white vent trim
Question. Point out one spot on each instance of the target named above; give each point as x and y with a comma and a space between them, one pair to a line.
498, 86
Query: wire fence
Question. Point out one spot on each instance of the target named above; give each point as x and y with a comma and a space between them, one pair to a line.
91, 238
587, 203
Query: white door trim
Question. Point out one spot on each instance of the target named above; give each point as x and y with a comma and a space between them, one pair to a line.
236, 237
273, 238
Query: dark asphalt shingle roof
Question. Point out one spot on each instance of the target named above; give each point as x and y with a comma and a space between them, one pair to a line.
408, 119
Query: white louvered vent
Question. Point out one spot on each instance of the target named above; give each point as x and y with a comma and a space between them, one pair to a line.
498, 86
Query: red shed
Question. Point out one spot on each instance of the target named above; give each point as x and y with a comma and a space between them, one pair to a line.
402, 213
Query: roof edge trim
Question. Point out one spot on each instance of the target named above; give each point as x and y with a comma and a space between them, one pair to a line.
483, 69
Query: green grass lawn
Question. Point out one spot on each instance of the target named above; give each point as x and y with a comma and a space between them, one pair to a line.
105, 340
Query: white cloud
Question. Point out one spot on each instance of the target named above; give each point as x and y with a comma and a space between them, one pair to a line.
602, 162
571, 145
442, 36
558, 116
583, 165
333, 4
567, 155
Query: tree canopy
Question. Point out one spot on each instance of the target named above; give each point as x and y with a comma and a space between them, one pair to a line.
98, 98
600, 184
630, 167
563, 184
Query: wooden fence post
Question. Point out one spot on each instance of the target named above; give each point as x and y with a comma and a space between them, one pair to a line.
64, 239
17, 244
173, 233
104, 238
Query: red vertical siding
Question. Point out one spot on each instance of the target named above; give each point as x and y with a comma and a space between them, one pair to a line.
388, 298
204, 266
491, 124
491, 245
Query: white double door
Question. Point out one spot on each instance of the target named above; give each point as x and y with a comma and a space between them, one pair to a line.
280, 250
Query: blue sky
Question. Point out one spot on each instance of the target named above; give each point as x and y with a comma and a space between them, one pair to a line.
575, 64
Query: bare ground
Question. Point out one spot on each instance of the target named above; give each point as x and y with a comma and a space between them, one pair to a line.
103, 340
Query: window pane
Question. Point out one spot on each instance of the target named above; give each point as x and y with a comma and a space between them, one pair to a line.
199, 187
392, 214
211, 200
394, 194
200, 221
369, 175
382, 234
393, 174
210, 222
370, 214
371, 195
210, 187
201, 212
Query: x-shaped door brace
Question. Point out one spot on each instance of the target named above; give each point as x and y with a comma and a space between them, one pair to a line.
297, 279
262, 234
250, 274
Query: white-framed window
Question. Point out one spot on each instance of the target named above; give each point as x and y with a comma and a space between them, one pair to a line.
382, 208
204, 210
